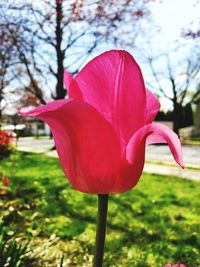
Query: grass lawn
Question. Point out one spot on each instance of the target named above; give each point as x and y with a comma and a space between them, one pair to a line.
192, 141
152, 225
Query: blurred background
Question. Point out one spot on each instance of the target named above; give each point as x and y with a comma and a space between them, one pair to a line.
39, 39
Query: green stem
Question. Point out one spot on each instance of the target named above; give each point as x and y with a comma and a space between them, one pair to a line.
101, 230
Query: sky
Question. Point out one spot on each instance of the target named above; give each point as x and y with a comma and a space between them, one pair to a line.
174, 15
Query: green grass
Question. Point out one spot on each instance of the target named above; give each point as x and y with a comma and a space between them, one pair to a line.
152, 225
192, 141
171, 164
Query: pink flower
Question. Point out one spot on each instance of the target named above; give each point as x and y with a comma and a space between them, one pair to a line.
101, 131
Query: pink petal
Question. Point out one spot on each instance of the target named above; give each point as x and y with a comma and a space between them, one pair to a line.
135, 152
152, 106
155, 133
113, 84
71, 85
163, 134
87, 145
67, 79
51, 106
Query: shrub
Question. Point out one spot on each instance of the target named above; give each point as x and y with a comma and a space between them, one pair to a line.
6, 139
12, 254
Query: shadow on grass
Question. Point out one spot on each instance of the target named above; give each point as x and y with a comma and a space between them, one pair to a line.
155, 223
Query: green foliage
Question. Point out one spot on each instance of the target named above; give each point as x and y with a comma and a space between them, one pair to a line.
152, 225
192, 141
11, 253
185, 116
5, 151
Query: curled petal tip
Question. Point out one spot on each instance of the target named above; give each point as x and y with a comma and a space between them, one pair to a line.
179, 158
182, 165
23, 111
179, 161
154, 134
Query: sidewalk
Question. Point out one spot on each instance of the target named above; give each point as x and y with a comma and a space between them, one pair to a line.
159, 158
186, 173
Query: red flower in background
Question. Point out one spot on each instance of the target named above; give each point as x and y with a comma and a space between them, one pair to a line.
5, 181
101, 131
6, 137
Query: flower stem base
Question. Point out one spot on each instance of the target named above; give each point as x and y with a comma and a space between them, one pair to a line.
101, 230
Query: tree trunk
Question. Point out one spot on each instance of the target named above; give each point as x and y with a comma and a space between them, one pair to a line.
176, 118
0, 110
60, 91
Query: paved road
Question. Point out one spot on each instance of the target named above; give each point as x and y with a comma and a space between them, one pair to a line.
191, 154
32, 144
154, 154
